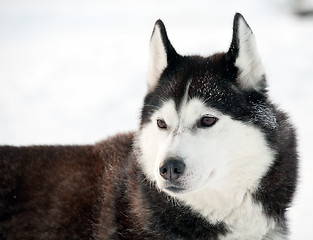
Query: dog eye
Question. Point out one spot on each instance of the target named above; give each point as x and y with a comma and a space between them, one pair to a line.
161, 124
207, 121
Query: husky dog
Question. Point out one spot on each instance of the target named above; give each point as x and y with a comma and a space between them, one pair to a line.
213, 159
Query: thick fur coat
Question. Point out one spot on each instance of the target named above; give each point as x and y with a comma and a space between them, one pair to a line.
213, 158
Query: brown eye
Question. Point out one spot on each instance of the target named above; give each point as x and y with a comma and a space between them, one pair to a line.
161, 124
207, 121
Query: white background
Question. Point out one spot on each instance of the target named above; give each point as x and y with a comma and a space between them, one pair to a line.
74, 72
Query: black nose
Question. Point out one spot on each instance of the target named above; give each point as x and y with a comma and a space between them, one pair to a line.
172, 169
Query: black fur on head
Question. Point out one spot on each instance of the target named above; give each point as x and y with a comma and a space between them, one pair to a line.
220, 80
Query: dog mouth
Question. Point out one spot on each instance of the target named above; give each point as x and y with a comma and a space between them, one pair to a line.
175, 189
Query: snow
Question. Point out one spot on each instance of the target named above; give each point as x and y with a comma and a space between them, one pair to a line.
75, 71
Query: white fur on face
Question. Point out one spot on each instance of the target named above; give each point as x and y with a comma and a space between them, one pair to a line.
228, 154
151, 140
223, 164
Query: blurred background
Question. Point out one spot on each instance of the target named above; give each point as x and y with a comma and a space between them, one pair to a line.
74, 72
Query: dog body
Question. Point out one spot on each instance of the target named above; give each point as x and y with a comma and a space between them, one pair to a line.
213, 159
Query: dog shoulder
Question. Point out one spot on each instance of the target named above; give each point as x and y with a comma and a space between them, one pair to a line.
115, 147
52, 185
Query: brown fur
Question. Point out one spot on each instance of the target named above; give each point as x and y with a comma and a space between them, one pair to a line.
56, 192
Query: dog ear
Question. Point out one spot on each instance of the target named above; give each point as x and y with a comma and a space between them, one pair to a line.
161, 54
244, 55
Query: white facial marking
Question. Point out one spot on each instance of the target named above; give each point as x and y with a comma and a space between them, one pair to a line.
151, 139
223, 164
215, 156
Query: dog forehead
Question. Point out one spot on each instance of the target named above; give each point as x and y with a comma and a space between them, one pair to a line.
206, 86
213, 80
209, 79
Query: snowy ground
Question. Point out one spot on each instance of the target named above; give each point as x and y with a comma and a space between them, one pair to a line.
74, 71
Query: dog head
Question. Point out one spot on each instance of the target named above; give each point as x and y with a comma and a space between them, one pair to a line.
206, 121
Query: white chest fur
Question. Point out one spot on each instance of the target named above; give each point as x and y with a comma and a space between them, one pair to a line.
243, 216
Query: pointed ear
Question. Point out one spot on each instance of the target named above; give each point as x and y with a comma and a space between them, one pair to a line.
243, 52
161, 54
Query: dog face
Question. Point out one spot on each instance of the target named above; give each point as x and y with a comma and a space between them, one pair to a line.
205, 123
198, 147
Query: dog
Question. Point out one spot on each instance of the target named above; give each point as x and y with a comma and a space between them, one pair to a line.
213, 158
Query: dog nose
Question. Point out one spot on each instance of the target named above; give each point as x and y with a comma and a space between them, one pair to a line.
172, 169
